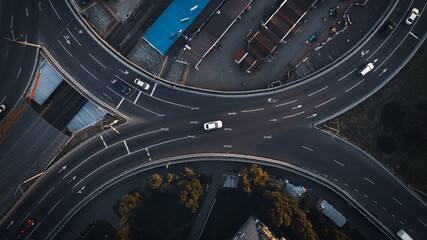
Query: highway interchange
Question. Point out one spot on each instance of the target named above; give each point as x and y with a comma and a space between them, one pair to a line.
166, 121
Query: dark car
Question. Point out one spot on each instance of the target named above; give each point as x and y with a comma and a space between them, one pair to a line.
123, 87
27, 226
388, 28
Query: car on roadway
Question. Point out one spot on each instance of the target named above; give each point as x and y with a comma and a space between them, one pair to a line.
387, 29
27, 226
212, 125
412, 15
142, 84
2, 108
346, 19
366, 69
123, 87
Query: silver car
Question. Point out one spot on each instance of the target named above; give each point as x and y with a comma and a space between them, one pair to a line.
412, 15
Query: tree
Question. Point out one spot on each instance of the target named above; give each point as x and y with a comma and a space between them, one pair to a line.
155, 181
253, 178
129, 202
190, 190
123, 234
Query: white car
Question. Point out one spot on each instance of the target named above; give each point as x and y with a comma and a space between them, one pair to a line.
412, 15
2, 108
213, 125
142, 84
366, 69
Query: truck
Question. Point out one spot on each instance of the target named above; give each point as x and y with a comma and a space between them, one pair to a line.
403, 235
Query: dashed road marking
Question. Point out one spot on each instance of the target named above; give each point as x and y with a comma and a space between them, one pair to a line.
347, 75
252, 110
355, 85
366, 196
232, 113
425, 225
394, 216
45, 195
286, 103
339, 163
336, 180
74, 38
228, 146
311, 94
19, 72
375, 202
293, 115
64, 48
346, 184
356, 190
136, 99
415, 36
102, 65
55, 205
126, 145
120, 103
54, 10
325, 102
307, 148
268, 137
154, 88
273, 120
88, 72
103, 141
397, 201
367, 179
385, 209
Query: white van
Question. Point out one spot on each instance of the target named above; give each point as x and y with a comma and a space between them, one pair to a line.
366, 69
142, 84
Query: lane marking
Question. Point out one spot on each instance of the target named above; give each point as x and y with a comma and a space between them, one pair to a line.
103, 141
154, 88
393, 215
356, 190
293, 115
425, 225
311, 94
375, 202
97, 61
346, 184
55, 206
34, 229
74, 37
11, 22
148, 153
64, 48
286, 103
54, 10
355, 85
26, 12
126, 145
252, 110
366, 196
102, 150
273, 120
307, 148
397, 201
88, 72
402, 222
336, 180
151, 146
19, 72
325, 102
369, 180
45, 195
232, 113
338, 163
415, 36
120, 103
136, 99
119, 78
385, 209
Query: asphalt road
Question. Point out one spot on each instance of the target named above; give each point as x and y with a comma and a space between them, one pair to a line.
167, 121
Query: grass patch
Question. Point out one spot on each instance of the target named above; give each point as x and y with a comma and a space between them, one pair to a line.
391, 124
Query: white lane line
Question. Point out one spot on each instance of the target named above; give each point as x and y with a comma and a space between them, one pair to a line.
34, 229
394, 216
369, 180
375, 202
148, 153
120, 103
415, 36
151, 146
97, 61
402, 222
19, 72
307, 148
126, 145
336, 180
45, 195
421, 221
325, 102
355, 85
154, 88
26, 217
136, 99
346, 184
119, 78
55, 205
357, 190
64, 48
347, 75
252, 110
103, 141
54, 10
407, 10
293, 115
11, 22
88, 72
397, 201
339, 163
385, 209
74, 37
286, 103
366, 196
311, 94
136, 136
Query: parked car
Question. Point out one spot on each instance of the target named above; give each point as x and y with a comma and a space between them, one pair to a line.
213, 125
387, 29
2, 108
346, 19
366, 69
412, 15
142, 84
27, 226
123, 87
